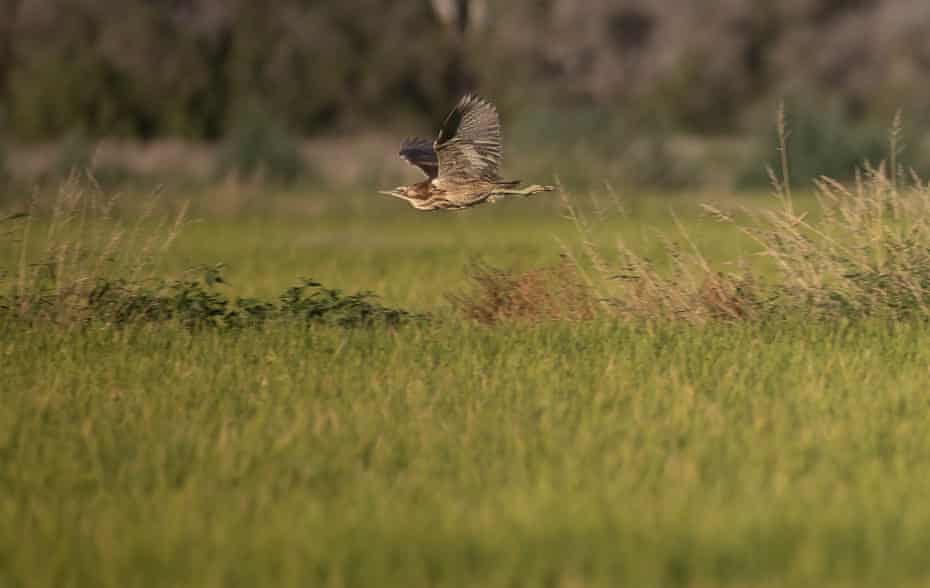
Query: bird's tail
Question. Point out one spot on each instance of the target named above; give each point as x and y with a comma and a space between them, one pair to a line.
507, 183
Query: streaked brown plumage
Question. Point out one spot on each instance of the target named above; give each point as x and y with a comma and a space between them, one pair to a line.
462, 165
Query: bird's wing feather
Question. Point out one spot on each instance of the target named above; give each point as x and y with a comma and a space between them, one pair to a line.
468, 147
420, 152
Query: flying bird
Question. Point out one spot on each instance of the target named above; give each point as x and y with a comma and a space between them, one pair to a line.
462, 165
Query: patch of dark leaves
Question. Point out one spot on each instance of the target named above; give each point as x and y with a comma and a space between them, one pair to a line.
200, 304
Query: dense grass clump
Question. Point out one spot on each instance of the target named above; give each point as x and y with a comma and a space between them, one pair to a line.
497, 295
862, 250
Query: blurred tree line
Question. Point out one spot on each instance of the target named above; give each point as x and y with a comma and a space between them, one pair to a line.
148, 68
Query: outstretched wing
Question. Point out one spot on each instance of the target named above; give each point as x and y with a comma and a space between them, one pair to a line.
469, 145
420, 152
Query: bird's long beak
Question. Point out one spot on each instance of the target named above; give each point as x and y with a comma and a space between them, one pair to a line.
386, 192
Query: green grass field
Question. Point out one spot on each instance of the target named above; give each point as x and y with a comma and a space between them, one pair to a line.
446, 453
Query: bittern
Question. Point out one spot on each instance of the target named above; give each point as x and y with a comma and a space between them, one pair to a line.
462, 164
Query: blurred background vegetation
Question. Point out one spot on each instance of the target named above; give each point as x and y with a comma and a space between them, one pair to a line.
658, 93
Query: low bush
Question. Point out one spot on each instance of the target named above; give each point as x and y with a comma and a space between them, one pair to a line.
198, 304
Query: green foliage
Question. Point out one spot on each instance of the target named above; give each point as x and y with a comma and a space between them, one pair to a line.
310, 302
140, 69
197, 304
147, 69
260, 147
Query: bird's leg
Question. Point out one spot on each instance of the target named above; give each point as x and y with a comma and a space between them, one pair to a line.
528, 191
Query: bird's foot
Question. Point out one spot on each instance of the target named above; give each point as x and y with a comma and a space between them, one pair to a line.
528, 191
536, 188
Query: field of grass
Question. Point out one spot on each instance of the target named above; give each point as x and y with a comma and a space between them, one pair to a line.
447, 453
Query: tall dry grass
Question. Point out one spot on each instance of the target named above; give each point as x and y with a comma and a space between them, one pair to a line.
65, 248
863, 251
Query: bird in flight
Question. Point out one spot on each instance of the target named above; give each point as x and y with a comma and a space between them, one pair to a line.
462, 164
